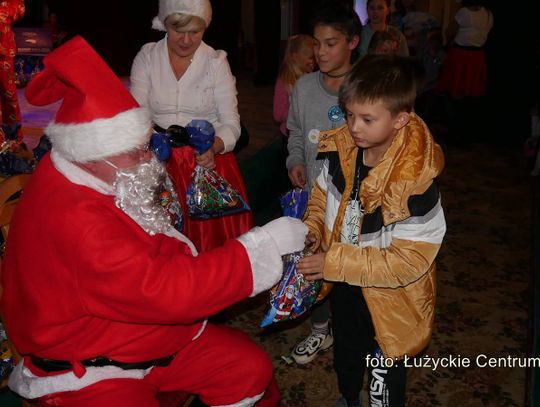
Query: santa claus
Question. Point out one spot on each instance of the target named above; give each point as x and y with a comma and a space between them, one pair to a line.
105, 300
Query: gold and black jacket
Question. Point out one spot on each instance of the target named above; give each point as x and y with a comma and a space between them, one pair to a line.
401, 231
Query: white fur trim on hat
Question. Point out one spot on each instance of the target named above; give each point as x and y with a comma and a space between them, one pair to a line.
101, 138
199, 8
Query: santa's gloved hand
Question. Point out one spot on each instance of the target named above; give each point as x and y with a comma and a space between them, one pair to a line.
201, 135
266, 244
288, 233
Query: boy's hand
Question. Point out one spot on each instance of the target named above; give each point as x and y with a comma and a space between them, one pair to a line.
310, 239
297, 175
312, 266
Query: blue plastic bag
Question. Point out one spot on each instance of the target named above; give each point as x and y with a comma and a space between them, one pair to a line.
201, 135
160, 144
294, 203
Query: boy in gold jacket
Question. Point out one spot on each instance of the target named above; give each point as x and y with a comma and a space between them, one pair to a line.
376, 221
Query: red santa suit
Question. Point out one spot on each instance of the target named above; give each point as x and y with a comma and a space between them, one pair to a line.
94, 283
82, 280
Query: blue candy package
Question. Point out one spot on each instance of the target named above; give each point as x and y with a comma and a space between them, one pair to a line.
201, 135
294, 203
160, 144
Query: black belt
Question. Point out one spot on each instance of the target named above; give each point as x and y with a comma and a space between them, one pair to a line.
159, 129
178, 134
51, 365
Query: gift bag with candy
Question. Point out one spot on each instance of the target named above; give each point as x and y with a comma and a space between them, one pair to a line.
208, 194
168, 198
161, 144
293, 294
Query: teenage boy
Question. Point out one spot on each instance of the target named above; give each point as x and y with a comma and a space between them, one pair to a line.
376, 220
314, 108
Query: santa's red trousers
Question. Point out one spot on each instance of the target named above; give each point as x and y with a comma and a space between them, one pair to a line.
223, 366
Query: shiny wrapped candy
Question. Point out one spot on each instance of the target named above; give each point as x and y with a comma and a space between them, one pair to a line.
168, 199
210, 196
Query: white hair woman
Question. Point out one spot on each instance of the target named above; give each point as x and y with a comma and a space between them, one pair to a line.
181, 78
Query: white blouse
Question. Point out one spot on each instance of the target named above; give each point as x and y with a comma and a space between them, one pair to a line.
207, 90
474, 26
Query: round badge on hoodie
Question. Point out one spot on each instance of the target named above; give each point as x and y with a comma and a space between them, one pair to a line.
313, 136
335, 114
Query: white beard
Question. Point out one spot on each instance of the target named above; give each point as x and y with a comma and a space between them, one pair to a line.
136, 193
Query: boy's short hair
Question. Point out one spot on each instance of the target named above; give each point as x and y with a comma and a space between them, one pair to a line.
340, 17
378, 38
388, 78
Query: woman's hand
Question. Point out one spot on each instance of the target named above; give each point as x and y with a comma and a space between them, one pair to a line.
207, 159
312, 266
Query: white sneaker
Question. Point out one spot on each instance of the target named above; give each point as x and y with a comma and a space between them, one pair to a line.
306, 350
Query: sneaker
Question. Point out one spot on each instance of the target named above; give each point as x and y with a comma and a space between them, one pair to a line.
306, 350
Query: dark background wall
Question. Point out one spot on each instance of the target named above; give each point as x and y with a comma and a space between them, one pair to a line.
308, 7
512, 50
267, 40
118, 28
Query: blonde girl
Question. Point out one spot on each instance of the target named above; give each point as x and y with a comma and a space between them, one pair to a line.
298, 60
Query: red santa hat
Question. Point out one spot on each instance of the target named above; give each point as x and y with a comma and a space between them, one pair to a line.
198, 8
98, 117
